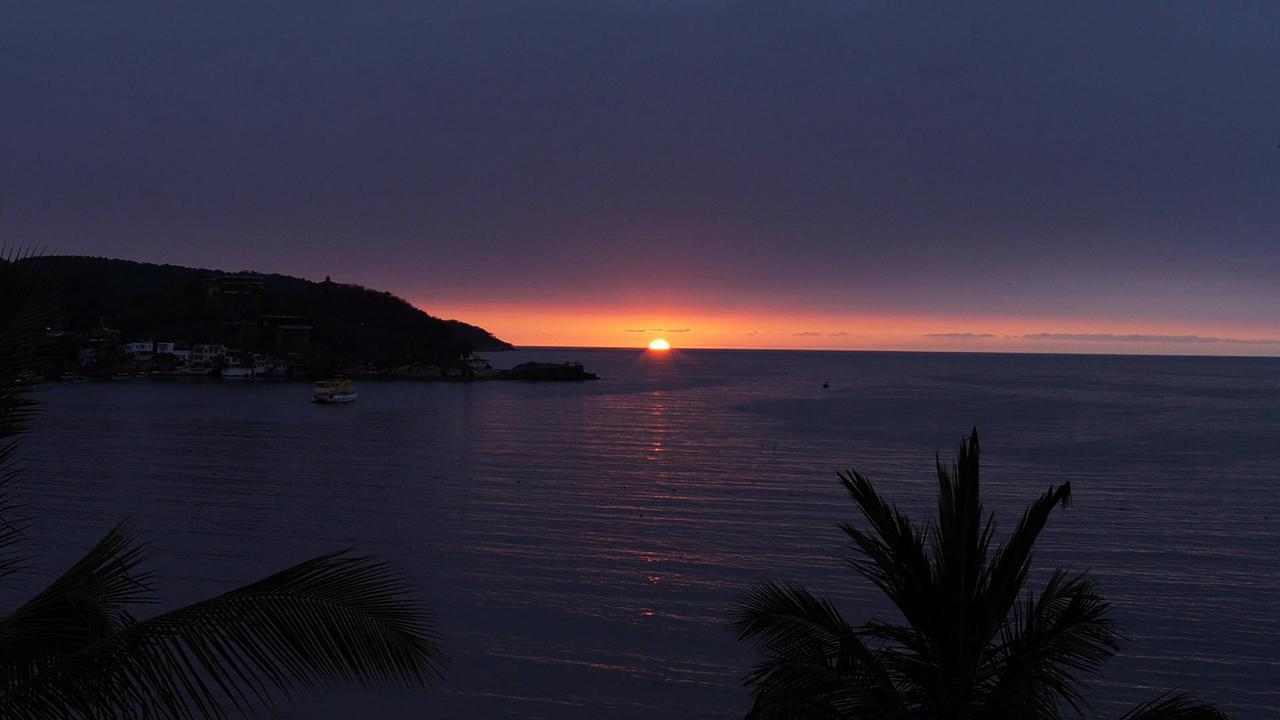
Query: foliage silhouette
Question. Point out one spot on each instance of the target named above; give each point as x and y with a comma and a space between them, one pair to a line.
975, 643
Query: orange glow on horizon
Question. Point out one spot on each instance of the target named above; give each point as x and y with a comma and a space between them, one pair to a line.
694, 327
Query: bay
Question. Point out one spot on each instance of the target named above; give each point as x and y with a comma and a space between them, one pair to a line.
582, 543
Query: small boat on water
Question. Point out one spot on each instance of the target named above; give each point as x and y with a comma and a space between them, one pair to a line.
334, 391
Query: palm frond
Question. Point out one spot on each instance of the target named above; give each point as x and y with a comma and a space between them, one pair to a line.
22, 340
910, 658
960, 547
814, 664
893, 553
86, 604
22, 336
1053, 642
1175, 706
1007, 573
962, 628
332, 619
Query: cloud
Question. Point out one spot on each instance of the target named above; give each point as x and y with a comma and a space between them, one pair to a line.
1186, 339
959, 335
679, 330
670, 330
811, 333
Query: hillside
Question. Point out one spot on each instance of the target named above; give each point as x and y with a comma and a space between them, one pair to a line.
346, 324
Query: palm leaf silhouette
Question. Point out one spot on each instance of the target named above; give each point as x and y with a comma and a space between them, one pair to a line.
974, 642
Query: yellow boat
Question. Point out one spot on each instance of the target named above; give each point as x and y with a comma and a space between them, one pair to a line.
334, 391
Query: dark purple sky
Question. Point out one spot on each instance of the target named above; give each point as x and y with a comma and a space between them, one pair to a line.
1107, 166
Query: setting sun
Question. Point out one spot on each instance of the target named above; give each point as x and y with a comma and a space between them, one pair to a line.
660, 345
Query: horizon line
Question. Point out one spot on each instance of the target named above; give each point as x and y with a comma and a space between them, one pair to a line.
641, 349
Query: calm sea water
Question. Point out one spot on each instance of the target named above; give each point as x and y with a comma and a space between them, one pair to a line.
582, 543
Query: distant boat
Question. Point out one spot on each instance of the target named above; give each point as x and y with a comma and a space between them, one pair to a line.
237, 373
334, 391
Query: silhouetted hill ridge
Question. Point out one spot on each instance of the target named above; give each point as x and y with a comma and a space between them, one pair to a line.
352, 324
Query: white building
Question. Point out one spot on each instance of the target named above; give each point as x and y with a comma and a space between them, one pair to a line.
180, 350
140, 350
269, 366
207, 355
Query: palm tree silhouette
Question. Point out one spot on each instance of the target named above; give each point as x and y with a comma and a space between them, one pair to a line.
974, 644
75, 649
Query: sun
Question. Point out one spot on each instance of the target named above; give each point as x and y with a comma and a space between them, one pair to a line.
660, 345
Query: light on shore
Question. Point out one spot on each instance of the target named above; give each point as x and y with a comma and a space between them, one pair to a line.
660, 345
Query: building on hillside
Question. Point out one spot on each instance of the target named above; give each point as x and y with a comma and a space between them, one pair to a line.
207, 356
235, 284
292, 334
278, 334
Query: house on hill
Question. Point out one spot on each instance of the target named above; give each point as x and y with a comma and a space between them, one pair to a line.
236, 284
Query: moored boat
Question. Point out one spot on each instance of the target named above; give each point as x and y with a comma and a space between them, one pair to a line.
334, 391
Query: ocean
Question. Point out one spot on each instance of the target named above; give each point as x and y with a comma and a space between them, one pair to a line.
582, 543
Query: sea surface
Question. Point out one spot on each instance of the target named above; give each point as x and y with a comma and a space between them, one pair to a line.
582, 544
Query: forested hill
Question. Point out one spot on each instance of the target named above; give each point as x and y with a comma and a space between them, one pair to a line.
349, 323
